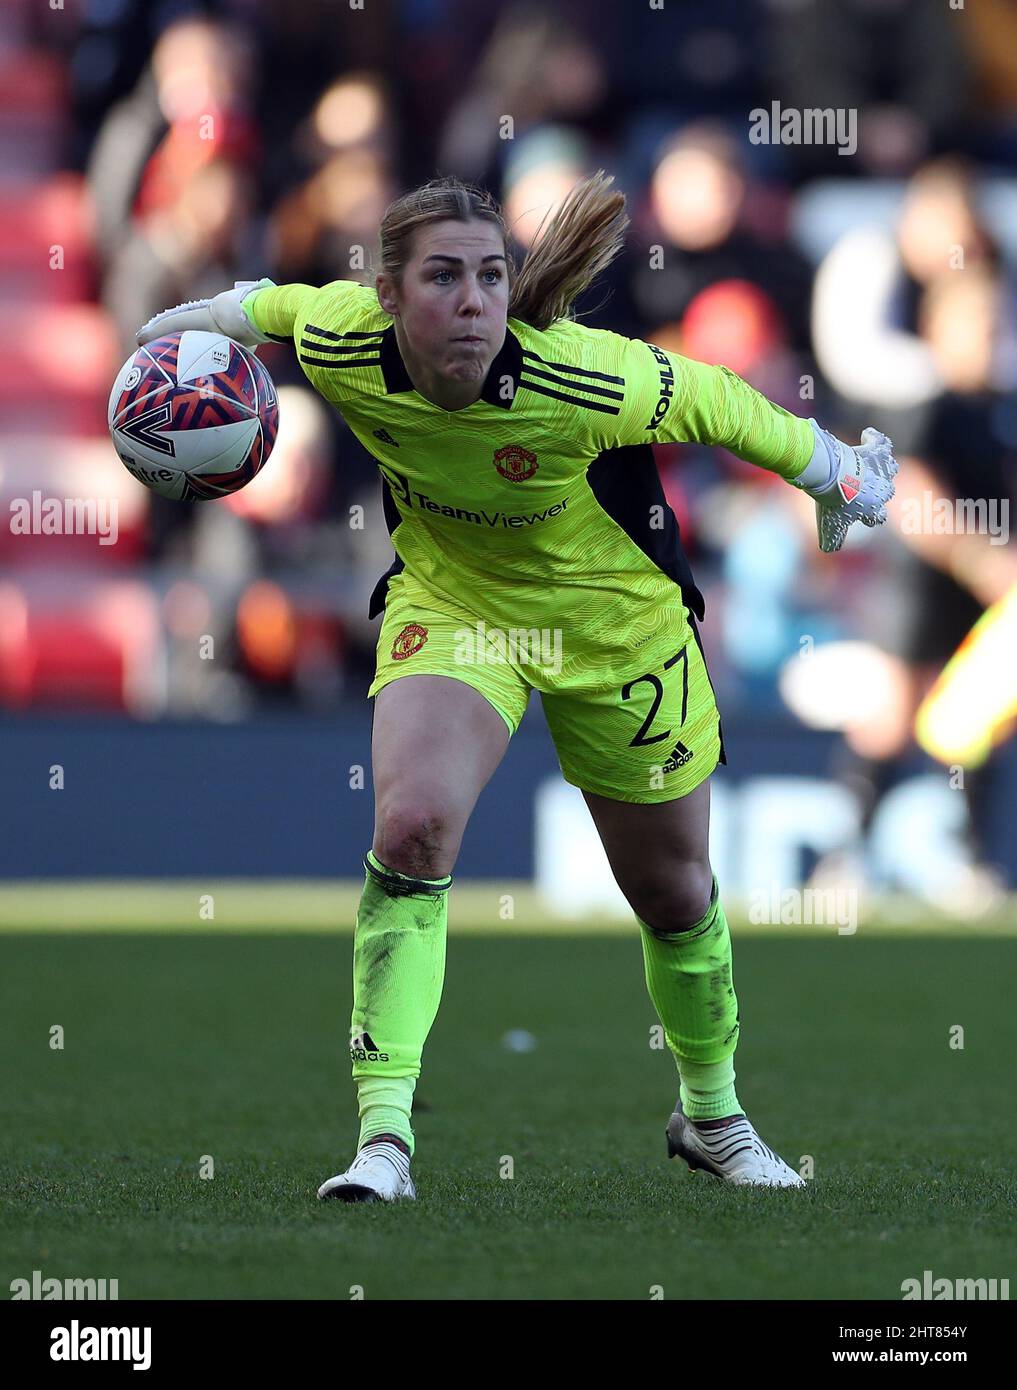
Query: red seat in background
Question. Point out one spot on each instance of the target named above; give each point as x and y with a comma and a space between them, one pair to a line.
57, 364
34, 109
43, 224
100, 652
58, 468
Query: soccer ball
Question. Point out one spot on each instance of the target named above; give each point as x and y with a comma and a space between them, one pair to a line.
193, 415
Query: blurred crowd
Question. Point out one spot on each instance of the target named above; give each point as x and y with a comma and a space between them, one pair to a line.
155, 153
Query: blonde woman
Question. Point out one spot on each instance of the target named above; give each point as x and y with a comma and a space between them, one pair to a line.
522, 496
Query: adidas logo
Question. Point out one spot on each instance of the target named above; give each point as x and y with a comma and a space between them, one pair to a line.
363, 1048
680, 755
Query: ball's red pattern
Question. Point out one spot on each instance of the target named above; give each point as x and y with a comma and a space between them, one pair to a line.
150, 404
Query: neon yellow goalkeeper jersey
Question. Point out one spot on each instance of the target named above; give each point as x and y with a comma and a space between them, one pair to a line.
540, 505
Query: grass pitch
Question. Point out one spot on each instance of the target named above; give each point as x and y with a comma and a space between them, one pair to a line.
181, 1046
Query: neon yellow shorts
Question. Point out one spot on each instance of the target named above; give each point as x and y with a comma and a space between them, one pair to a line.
647, 733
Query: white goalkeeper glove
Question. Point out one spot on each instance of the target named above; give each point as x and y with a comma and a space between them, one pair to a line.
222, 314
850, 482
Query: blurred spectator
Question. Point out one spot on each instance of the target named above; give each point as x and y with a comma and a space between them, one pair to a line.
964, 446
866, 291
738, 325
192, 105
538, 67
352, 113
192, 248
327, 229
697, 233
942, 577
538, 174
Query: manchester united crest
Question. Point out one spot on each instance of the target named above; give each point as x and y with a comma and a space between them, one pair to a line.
515, 463
410, 640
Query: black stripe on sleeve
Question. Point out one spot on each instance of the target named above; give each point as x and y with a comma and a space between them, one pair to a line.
572, 400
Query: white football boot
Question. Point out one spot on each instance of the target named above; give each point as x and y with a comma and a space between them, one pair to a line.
733, 1152
379, 1173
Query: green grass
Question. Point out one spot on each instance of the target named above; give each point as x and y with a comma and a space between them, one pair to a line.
477, 906
231, 1045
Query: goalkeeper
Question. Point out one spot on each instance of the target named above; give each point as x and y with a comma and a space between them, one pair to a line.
534, 549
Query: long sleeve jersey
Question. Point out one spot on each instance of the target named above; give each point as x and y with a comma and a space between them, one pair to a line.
542, 500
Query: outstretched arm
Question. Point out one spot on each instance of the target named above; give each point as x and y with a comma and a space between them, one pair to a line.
275, 309
673, 399
253, 312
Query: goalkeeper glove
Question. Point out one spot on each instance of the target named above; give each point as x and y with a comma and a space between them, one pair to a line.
849, 482
222, 314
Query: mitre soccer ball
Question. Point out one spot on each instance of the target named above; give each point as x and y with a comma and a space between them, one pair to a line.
193, 415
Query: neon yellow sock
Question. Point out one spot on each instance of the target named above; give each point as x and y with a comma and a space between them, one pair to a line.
385, 1104
688, 975
398, 973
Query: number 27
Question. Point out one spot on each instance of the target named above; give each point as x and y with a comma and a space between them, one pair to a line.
640, 740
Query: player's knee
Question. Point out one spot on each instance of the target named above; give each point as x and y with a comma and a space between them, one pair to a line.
675, 898
414, 839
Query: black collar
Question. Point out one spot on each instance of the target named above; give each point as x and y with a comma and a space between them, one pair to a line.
508, 363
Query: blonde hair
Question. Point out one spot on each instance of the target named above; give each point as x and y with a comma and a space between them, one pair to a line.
570, 250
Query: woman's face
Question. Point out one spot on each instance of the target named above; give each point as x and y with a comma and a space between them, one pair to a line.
452, 305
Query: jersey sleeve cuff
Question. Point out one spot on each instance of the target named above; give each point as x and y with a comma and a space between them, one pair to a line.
821, 470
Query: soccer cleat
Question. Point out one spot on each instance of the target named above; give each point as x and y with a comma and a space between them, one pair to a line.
379, 1173
734, 1152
